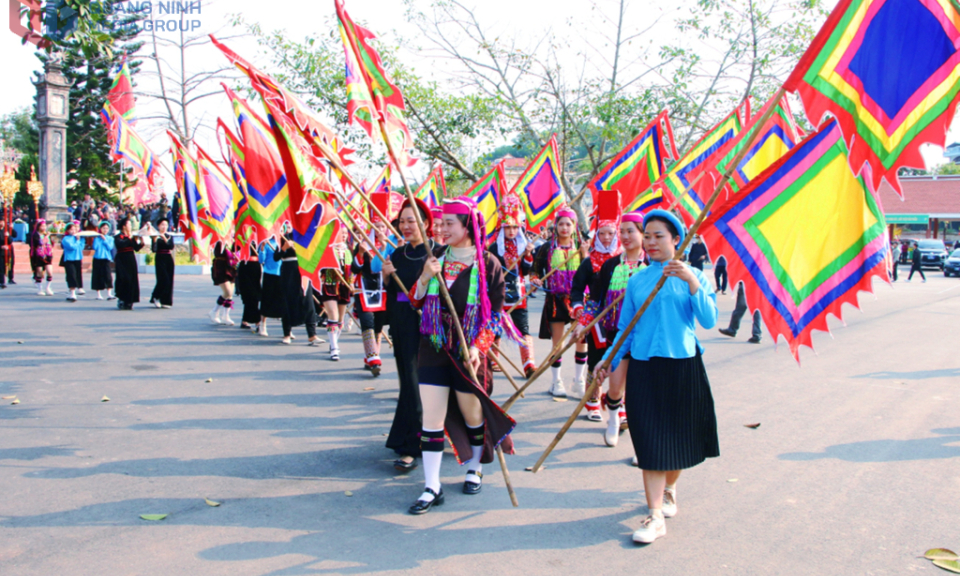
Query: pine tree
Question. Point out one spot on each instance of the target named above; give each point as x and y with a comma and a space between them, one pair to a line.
89, 167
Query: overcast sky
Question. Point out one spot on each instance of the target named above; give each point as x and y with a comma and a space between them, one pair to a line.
568, 19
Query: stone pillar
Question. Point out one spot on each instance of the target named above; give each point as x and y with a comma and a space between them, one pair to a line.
53, 109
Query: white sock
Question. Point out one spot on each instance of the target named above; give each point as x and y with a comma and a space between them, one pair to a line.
581, 371
474, 463
555, 370
99, 295
73, 293
335, 337
431, 473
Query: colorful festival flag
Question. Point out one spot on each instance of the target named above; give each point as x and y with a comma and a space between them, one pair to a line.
770, 142
128, 147
434, 188
889, 72
186, 171
120, 95
303, 116
487, 193
371, 94
804, 237
218, 194
266, 181
641, 163
539, 186
244, 228
312, 218
704, 153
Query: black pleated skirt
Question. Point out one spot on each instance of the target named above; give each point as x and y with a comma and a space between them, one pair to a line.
101, 278
164, 268
271, 297
670, 412
554, 310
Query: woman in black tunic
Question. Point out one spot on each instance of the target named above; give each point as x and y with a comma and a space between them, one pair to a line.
404, 321
248, 285
223, 272
128, 278
452, 402
298, 306
162, 247
271, 293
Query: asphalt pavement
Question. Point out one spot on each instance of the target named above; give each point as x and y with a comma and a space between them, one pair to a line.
854, 469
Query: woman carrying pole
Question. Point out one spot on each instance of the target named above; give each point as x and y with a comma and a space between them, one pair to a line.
334, 294
474, 423
271, 293
41, 258
248, 285
608, 285
223, 272
670, 408
560, 258
128, 276
101, 277
297, 303
370, 302
603, 247
407, 263
73, 259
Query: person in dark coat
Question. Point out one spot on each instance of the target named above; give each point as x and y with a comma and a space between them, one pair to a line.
298, 308
162, 247
698, 253
128, 277
7, 237
404, 321
248, 285
271, 294
916, 263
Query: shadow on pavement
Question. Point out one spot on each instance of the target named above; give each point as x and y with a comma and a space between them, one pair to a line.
916, 375
888, 450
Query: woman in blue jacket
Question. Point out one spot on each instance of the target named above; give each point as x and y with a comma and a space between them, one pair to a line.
102, 276
73, 260
669, 404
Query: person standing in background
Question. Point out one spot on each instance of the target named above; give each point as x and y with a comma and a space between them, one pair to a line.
895, 251
916, 264
737, 316
6, 253
720, 274
101, 277
698, 253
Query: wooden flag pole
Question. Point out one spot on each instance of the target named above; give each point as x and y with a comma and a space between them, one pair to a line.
464, 351
501, 354
622, 336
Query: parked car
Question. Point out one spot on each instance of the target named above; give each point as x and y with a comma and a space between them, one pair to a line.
951, 267
933, 253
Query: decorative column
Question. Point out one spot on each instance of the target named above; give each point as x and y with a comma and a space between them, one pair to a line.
53, 108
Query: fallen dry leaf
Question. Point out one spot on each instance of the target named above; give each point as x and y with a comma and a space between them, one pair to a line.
19, 341
348, 493
367, 389
732, 480
753, 426
208, 380
104, 399
940, 554
948, 565
530, 468
555, 399
9, 397
153, 517
211, 502
15, 402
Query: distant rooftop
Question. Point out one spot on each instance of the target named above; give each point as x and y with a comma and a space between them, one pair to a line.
934, 196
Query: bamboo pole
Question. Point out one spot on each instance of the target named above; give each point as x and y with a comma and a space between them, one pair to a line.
500, 354
622, 336
465, 352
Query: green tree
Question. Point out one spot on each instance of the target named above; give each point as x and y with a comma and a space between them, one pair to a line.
18, 130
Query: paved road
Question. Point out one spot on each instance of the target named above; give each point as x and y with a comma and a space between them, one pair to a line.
855, 468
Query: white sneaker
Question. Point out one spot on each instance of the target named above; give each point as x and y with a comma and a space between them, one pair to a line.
100, 297
651, 529
263, 329
635, 461
557, 390
579, 388
669, 503
156, 304
82, 292
287, 340
215, 314
50, 291
335, 355
41, 291
611, 435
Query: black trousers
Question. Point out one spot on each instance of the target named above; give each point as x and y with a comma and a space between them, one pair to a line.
720, 275
916, 268
287, 328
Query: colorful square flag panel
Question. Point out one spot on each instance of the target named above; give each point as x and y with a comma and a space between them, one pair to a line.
434, 188
217, 191
487, 193
770, 142
804, 237
687, 173
539, 187
641, 163
888, 71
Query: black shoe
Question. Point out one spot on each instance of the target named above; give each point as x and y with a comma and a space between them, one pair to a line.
422, 506
119, 304
403, 466
2, 286
754, 340
472, 487
727, 332
11, 281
